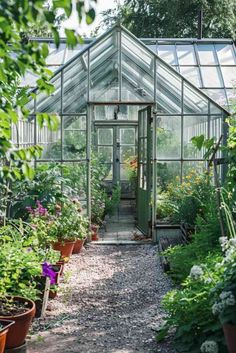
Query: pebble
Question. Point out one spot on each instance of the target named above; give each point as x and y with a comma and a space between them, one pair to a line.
110, 301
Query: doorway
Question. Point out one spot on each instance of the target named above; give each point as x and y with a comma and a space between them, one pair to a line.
117, 146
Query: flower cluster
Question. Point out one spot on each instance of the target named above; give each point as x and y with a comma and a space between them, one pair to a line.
226, 299
196, 272
209, 347
39, 211
47, 271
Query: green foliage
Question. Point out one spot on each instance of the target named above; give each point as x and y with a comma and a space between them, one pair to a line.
203, 243
189, 309
18, 56
185, 201
112, 201
46, 187
171, 18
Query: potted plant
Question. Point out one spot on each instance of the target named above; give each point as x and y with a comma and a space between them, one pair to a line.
21, 311
81, 227
4, 327
94, 232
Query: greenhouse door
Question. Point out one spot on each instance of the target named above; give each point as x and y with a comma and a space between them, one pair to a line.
117, 144
144, 171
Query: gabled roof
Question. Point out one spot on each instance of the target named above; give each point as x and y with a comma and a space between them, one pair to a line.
118, 67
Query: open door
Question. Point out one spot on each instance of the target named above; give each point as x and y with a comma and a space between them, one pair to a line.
144, 211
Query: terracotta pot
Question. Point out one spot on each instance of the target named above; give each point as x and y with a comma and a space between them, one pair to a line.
78, 246
3, 333
65, 247
17, 333
230, 337
95, 236
53, 293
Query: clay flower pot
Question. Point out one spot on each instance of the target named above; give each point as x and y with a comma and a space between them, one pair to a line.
78, 246
65, 247
5, 324
230, 337
17, 333
94, 231
57, 269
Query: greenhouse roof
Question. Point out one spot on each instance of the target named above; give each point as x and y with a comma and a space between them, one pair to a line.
209, 64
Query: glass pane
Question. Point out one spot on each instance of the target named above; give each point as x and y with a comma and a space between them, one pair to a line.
192, 74
76, 179
137, 71
109, 169
124, 172
167, 53
105, 136
225, 54
231, 94
56, 56
126, 152
229, 76
127, 136
206, 54
192, 168
168, 137
211, 77
194, 126
218, 95
74, 144
75, 122
106, 153
75, 85
104, 69
216, 127
168, 90
194, 102
186, 55
167, 172
52, 103
50, 141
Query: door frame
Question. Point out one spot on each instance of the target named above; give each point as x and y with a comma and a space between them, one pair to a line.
144, 195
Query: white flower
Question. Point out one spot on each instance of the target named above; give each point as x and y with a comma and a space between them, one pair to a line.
217, 308
209, 347
223, 241
230, 301
225, 295
208, 280
196, 272
233, 242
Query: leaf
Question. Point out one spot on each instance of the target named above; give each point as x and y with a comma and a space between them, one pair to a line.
66, 5
71, 37
90, 16
45, 50
198, 141
28, 171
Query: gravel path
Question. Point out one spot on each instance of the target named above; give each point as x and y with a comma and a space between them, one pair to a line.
109, 302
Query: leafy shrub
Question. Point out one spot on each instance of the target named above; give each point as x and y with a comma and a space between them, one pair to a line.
203, 243
189, 309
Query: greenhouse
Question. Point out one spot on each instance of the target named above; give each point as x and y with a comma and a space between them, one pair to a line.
117, 183
121, 97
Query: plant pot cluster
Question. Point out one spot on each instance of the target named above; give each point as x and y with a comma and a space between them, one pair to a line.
26, 290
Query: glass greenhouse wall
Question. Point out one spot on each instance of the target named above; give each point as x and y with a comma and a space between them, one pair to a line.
120, 99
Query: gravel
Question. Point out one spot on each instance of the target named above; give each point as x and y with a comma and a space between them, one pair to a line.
109, 302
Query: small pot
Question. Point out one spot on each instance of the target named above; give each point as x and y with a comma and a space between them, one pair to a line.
230, 337
78, 246
17, 333
57, 269
3, 333
95, 236
65, 247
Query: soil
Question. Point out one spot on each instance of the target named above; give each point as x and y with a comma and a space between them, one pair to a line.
109, 302
8, 307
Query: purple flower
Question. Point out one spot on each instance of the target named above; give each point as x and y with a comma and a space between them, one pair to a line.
48, 272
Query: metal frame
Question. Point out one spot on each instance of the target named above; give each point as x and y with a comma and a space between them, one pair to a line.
156, 60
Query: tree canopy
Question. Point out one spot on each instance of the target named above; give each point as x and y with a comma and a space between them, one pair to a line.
175, 18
